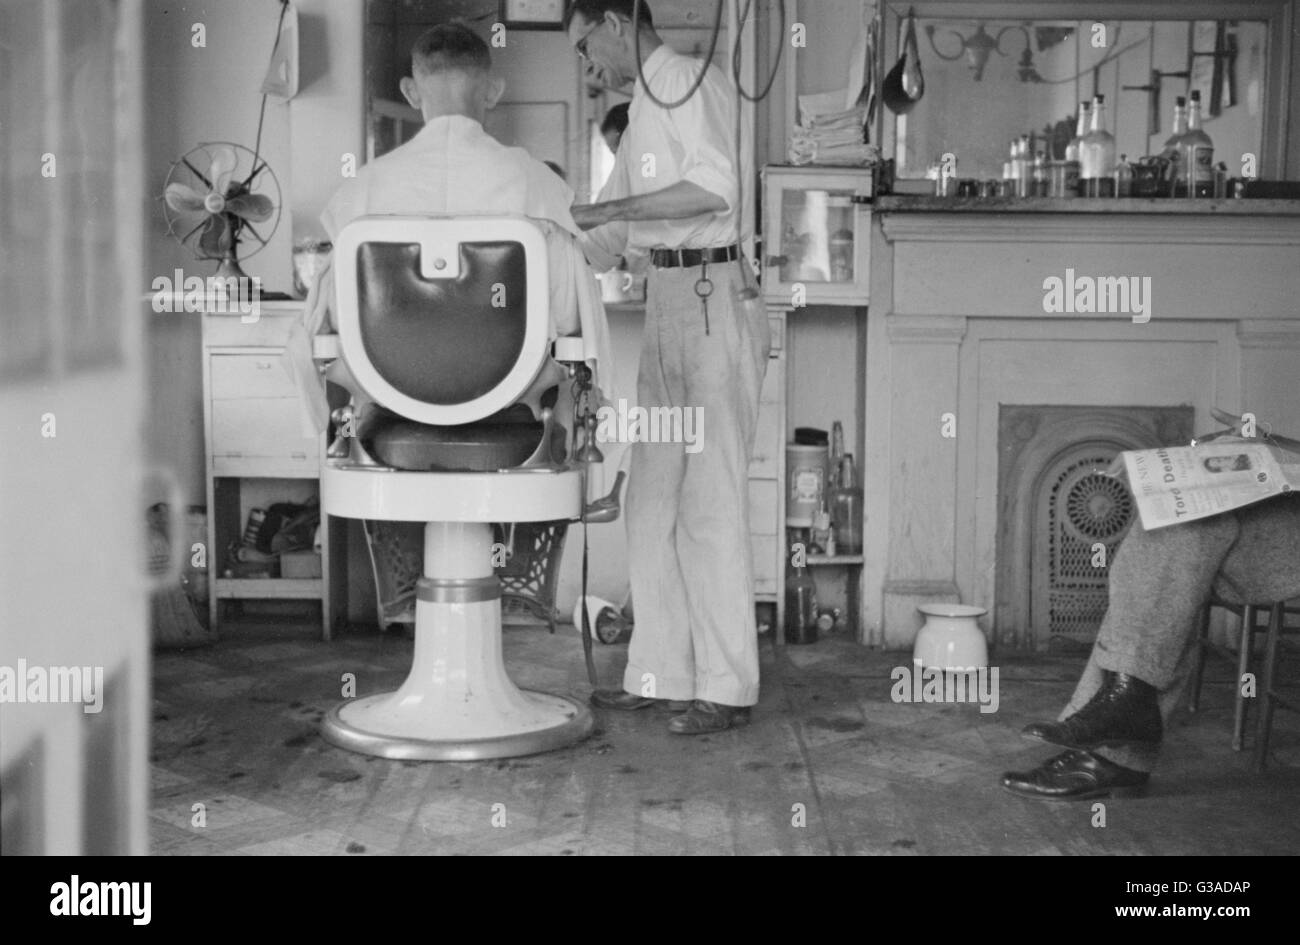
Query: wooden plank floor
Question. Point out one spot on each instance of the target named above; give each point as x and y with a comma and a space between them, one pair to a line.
235, 730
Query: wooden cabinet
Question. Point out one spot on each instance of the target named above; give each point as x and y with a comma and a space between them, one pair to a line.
816, 235
256, 454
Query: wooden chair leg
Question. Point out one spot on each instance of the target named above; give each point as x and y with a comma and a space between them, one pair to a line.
1203, 646
1246, 644
1264, 723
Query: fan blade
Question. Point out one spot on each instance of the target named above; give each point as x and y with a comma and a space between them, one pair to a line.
254, 207
215, 241
221, 168
183, 198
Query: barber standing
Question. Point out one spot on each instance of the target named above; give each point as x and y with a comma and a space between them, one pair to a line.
676, 194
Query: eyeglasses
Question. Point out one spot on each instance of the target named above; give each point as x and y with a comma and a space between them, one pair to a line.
581, 45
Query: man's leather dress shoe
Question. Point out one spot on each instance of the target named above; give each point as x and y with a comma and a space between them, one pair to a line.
622, 701
1123, 713
1077, 776
705, 717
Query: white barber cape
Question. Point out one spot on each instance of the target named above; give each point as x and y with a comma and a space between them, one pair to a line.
454, 166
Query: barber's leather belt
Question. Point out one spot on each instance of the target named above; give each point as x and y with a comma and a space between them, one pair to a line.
684, 258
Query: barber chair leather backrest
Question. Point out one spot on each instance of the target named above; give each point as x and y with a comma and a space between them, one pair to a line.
443, 341
443, 320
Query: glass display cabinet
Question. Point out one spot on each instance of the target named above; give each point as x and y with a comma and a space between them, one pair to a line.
816, 235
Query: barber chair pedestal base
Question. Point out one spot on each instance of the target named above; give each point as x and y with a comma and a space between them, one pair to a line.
457, 703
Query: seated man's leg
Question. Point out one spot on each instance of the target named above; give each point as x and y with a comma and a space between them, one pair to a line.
1251, 556
1264, 564
1159, 581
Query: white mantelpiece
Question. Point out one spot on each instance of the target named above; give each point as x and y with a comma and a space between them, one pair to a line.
958, 327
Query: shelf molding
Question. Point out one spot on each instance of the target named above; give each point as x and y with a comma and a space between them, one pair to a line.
1082, 228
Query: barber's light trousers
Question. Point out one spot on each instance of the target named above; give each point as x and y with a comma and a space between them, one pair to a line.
688, 502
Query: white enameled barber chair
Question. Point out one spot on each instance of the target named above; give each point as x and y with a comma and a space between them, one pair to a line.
443, 327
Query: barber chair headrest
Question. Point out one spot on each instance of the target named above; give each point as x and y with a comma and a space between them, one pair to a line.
443, 319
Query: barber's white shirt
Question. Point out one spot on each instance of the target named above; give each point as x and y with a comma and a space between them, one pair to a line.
695, 142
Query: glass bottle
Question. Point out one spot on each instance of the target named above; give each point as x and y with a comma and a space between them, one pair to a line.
846, 510
1172, 151
800, 606
1072, 166
1097, 155
1080, 129
1123, 177
1196, 167
837, 454
1024, 167
1040, 175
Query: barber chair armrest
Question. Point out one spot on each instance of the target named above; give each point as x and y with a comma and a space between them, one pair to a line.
568, 350
325, 347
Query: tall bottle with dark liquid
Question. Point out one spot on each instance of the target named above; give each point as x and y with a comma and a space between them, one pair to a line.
1196, 166
1097, 155
800, 606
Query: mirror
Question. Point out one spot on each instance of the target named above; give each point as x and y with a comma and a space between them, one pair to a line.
991, 80
546, 108
538, 111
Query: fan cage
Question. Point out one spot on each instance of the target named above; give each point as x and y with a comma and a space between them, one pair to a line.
172, 218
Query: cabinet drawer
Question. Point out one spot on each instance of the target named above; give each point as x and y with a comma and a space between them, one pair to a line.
269, 330
262, 429
764, 496
768, 450
766, 561
250, 376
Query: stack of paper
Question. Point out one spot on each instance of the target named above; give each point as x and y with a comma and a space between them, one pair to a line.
828, 133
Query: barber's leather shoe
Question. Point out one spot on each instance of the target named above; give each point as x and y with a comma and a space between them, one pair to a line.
1077, 776
622, 701
704, 717
1123, 713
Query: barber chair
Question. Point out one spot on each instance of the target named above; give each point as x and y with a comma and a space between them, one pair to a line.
444, 332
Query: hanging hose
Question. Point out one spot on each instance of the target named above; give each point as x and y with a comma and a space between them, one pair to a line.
586, 616
747, 293
579, 394
735, 53
699, 79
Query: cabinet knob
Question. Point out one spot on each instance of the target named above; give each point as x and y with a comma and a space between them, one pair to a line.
777, 260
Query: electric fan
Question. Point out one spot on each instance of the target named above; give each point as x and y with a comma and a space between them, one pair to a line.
213, 195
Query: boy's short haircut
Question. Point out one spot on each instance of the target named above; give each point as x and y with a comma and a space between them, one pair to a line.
450, 46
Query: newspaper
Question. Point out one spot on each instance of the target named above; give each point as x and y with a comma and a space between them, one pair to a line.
1185, 483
